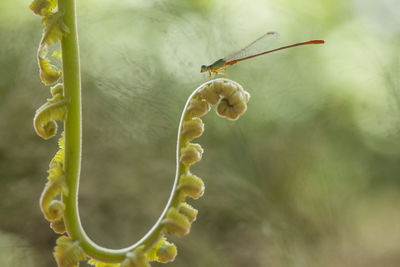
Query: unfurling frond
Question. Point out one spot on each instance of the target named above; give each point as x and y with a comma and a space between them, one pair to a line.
54, 30
163, 251
45, 117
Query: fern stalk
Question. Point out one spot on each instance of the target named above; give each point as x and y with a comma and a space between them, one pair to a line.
73, 122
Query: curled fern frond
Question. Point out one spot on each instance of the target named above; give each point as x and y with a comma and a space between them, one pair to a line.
51, 208
56, 210
49, 73
231, 101
191, 154
45, 117
163, 251
166, 252
192, 129
233, 104
176, 223
187, 210
54, 30
190, 185
68, 252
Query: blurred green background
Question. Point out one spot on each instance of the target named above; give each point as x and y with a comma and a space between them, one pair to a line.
308, 176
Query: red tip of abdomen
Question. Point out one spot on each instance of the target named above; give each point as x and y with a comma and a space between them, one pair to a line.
317, 42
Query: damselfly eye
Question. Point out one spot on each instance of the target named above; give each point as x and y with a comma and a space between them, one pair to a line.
203, 68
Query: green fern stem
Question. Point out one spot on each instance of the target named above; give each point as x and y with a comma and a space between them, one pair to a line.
72, 124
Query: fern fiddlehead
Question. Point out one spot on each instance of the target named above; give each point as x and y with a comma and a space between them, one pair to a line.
59, 198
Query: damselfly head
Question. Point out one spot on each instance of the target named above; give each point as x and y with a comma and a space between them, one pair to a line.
203, 68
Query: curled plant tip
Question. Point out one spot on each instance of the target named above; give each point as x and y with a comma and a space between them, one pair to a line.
54, 30
136, 258
187, 210
50, 191
190, 154
42, 7
234, 105
68, 252
56, 210
231, 99
49, 73
44, 120
97, 263
166, 252
190, 185
225, 110
58, 226
192, 129
198, 107
176, 223
163, 251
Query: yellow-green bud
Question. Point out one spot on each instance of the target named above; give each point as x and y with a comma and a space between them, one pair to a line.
190, 154
176, 223
192, 128
187, 210
232, 112
190, 185
56, 210
166, 252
